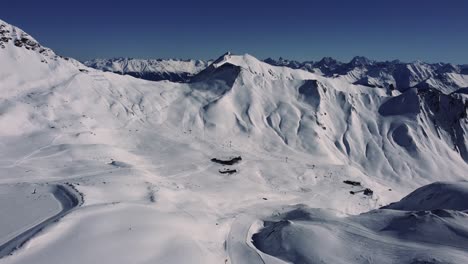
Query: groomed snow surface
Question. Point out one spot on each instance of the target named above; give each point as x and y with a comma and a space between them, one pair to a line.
97, 167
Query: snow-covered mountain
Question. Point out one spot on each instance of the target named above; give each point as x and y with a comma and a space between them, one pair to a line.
390, 75
115, 169
151, 69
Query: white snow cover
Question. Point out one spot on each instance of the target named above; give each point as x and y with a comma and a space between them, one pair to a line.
139, 153
152, 69
427, 226
304, 235
438, 195
157, 65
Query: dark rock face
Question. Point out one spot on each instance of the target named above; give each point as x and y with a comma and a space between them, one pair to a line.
289, 63
22, 40
447, 113
4, 36
328, 66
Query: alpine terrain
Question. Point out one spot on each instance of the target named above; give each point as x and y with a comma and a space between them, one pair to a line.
237, 160
153, 70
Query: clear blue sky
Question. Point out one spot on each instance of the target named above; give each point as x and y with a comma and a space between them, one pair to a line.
297, 29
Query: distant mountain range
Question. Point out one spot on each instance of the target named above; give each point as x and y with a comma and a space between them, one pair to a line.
151, 69
395, 74
392, 75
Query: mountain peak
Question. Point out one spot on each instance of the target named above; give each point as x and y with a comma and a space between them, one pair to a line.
448, 68
13, 36
221, 60
360, 61
327, 60
244, 61
249, 64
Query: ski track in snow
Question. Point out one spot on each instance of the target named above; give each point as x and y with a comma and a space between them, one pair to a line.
30, 155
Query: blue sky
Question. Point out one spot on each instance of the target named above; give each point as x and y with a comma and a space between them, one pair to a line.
296, 29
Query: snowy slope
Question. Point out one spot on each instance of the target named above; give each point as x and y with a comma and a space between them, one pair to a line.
140, 154
151, 69
305, 235
438, 195
391, 136
427, 226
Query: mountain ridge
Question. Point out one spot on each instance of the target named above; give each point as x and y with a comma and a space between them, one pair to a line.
389, 75
151, 69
